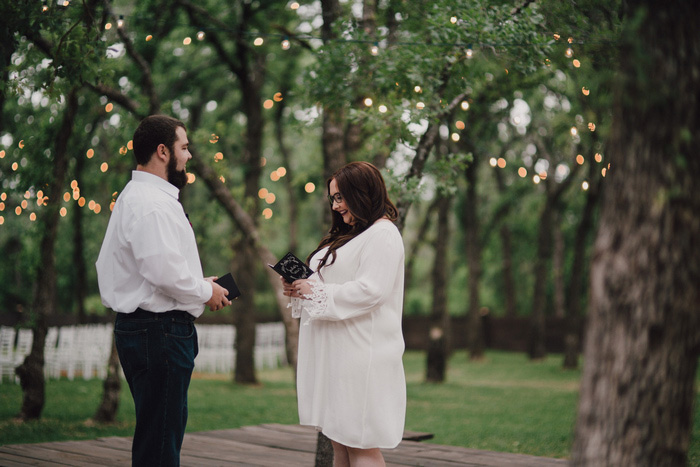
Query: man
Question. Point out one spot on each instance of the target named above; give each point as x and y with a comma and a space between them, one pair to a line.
150, 274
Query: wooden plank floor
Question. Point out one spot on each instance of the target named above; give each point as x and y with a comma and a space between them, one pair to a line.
262, 445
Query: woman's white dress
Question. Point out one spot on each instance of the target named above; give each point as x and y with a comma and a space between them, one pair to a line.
350, 377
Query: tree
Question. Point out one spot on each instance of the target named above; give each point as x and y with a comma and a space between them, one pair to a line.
643, 336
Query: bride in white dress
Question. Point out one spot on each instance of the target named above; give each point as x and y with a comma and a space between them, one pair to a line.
350, 377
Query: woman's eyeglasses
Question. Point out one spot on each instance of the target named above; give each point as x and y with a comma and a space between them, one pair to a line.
336, 198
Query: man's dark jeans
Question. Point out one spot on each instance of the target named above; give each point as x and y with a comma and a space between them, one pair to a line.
157, 352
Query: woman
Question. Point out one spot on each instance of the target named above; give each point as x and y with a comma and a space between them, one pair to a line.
350, 378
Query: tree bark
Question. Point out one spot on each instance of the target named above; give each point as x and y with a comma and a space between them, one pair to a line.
31, 371
107, 411
80, 286
558, 258
439, 331
536, 345
475, 332
576, 287
641, 353
509, 289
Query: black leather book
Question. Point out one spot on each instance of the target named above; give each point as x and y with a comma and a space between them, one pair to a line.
226, 281
292, 268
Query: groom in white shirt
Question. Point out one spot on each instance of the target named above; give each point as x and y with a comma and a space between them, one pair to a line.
150, 274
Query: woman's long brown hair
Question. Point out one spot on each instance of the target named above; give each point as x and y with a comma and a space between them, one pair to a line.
362, 187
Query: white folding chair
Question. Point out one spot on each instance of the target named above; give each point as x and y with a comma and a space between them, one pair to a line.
7, 351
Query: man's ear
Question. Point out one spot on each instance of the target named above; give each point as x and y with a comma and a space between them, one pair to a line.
162, 153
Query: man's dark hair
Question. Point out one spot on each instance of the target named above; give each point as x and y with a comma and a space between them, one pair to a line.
152, 131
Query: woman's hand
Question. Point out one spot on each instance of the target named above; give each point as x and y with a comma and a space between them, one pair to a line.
298, 289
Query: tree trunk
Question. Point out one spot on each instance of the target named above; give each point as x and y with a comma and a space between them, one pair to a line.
508, 281
80, 286
31, 371
558, 258
572, 341
244, 314
439, 331
509, 290
107, 411
641, 353
475, 330
536, 345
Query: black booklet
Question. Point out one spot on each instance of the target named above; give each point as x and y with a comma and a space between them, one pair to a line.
292, 268
226, 281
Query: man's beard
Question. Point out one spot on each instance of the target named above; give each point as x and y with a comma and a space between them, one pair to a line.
178, 178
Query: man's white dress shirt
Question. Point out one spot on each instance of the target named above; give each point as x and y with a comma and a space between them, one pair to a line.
149, 256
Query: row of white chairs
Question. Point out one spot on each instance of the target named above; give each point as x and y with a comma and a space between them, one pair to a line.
84, 350
217, 353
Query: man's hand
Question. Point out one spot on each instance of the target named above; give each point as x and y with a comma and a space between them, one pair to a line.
218, 298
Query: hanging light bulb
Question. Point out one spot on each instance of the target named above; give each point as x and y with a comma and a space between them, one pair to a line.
120, 22
374, 50
285, 44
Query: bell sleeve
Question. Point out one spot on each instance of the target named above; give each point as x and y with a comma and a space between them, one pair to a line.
380, 263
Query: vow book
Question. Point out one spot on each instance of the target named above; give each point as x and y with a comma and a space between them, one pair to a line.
226, 281
292, 268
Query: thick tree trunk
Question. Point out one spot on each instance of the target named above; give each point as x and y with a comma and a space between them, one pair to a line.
31, 371
475, 331
643, 338
439, 331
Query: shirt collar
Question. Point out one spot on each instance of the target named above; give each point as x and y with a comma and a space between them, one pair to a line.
155, 180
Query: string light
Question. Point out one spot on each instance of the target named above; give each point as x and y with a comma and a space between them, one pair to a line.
309, 187
465, 105
262, 193
368, 101
522, 171
258, 41
120, 22
470, 52
374, 50
584, 185
580, 160
285, 44
585, 91
267, 213
569, 52
201, 36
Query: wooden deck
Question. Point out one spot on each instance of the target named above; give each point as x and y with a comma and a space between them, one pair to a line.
263, 445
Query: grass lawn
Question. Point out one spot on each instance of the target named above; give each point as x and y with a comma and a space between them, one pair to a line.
504, 403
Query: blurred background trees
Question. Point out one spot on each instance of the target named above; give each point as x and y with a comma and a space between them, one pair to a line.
488, 119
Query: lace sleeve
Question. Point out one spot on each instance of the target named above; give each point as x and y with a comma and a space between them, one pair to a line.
315, 304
